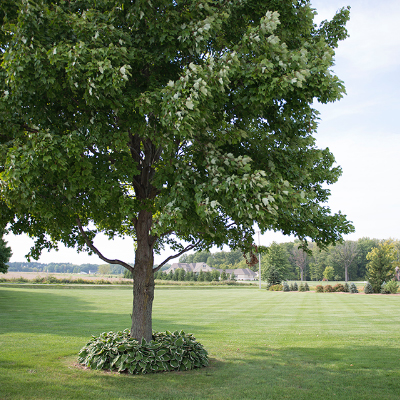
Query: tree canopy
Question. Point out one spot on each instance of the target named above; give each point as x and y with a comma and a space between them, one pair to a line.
173, 122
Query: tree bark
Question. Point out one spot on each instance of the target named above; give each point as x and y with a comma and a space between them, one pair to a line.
143, 279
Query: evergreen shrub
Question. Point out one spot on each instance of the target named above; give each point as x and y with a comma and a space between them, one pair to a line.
306, 287
353, 288
368, 288
167, 351
285, 287
390, 288
295, 287
346, 288
301, 287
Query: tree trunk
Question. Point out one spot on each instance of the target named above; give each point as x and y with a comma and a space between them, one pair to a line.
143, 279
301, 274
346, 275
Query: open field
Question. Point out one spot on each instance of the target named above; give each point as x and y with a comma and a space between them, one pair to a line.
32, 275
262, 345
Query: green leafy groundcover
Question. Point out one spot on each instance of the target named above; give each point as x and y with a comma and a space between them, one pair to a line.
177, 351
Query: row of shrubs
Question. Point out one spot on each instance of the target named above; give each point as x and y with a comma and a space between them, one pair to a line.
303, 287
293, 287
53, 280
346, 288
386, 288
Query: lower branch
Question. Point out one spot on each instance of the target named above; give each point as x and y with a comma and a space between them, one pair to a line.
93, 248
187, 248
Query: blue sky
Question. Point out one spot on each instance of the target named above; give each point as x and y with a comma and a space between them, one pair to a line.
361, 130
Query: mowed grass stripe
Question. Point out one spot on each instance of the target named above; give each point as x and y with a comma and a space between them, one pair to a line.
262, 345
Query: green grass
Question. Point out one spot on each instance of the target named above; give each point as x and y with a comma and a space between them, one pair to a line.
262, 345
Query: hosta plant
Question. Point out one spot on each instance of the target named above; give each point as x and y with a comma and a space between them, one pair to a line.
177, 351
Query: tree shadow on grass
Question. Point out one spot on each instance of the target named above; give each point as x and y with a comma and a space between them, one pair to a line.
61, 312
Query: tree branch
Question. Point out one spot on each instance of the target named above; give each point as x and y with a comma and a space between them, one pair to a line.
187, 248
27, 128
94, 249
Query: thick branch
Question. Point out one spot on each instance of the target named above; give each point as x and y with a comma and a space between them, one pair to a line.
93, 248
187, 248
28, 129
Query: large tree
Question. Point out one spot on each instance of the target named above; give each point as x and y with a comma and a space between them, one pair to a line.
173, 122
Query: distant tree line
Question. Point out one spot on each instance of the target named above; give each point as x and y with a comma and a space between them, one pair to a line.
336, 263
281, 261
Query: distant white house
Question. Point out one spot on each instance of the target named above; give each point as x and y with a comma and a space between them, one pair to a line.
189, 267
241, 274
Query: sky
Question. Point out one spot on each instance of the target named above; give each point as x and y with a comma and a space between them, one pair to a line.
361, 130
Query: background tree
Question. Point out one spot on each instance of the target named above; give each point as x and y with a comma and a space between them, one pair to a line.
181, 274
208, 276
275, 264
201, 277
329, 273
381, 266
104, 269
364, 246
210, 261
299, 257
201, 256
319, 263
215, 275
5, 253
343, 255
179, 123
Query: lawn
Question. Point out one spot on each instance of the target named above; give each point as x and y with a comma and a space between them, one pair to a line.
262, 345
